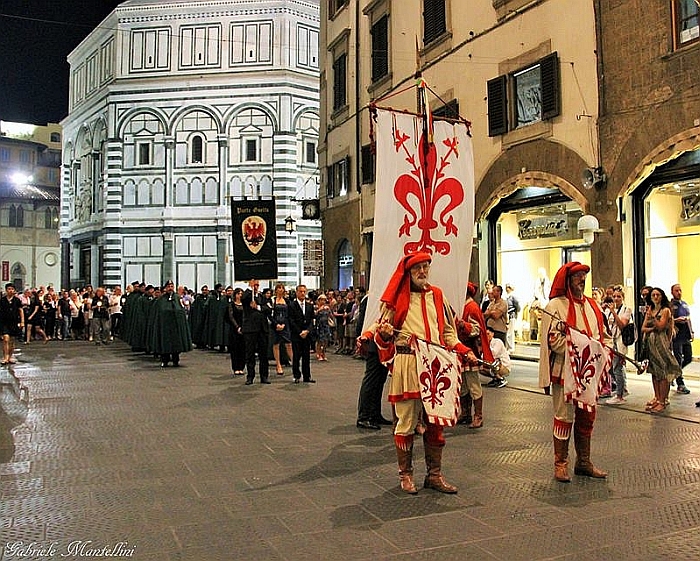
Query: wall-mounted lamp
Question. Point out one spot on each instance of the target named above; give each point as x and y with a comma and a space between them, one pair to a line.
588, 225
290, 225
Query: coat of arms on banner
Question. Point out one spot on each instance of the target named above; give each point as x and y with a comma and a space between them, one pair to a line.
590, 362
440, 382
254, 231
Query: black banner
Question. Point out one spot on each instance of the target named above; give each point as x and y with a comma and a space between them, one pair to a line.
254, 239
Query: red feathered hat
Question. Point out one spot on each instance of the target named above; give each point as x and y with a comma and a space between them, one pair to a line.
397, 293
560, 284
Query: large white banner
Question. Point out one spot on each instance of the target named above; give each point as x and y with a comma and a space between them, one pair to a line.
424, 202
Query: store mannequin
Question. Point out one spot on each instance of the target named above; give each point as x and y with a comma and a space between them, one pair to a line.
542, 287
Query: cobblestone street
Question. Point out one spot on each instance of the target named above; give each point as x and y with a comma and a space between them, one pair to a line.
107, 453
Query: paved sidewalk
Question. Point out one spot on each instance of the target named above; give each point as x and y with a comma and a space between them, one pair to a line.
111, 451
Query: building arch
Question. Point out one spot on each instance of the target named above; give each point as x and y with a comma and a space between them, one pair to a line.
308, 113
674, 147
559, 167
231, 115
99, 132
180, 114
127, 117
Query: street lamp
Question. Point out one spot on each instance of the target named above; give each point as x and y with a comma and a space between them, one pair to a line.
290, 225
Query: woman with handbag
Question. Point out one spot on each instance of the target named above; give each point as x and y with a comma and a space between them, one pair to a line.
658, 331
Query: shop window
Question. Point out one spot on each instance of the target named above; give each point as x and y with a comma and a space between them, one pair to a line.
434, 20
368, 164
526, 96
196, 150
380, 48
338, 178
340, 82
686, 22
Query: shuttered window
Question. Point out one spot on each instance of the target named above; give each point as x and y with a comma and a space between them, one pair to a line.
497, 105
450, 110
434, 23
551, 93
368, 164
380, 48
531, 101
340, 82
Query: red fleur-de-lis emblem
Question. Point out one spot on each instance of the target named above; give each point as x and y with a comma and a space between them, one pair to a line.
421, 193
585, 365
435, 379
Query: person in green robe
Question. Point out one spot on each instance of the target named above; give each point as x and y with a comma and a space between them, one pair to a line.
170, 331
198, 316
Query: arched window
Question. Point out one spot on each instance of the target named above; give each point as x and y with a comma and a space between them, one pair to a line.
18, 274
20, 216
345, 262
12, 220
55, 137
197, 150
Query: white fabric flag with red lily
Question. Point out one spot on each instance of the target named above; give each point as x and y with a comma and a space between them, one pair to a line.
440, 382
424, 201
590, 362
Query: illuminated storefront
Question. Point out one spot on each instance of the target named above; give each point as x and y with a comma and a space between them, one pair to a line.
532, 233
667, 231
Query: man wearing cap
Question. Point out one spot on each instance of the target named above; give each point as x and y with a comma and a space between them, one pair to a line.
567, 302
413, 308
471, 329
170, 334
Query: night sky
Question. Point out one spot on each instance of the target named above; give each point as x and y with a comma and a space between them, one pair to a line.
34, 45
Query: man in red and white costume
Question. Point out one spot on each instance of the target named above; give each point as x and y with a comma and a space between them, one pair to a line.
567, 302
471, 329
411, 307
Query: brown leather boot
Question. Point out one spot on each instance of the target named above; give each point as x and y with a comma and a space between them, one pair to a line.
561, 463
435, 479
405, 459
465, 402
478, 421
584, 466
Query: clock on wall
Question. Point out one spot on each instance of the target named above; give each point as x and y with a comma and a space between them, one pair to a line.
311, 209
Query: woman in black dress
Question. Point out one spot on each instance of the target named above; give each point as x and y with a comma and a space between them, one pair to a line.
280, 326
236, 341
35, 318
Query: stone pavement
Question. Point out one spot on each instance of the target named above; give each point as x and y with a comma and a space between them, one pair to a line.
110, 454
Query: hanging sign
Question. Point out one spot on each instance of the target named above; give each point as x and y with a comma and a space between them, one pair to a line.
313, 258
543, 227
254, 239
